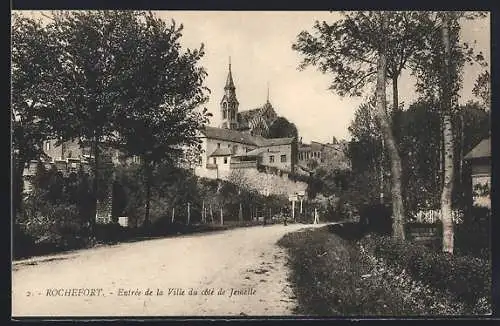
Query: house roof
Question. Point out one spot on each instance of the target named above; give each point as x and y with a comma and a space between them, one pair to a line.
255, 152
224, 151
482, 150
243, 138
261, 141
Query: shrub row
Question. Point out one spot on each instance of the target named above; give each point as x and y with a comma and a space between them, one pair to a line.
466, 277
333, 276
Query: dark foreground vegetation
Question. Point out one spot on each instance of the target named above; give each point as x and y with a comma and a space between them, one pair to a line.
336, 274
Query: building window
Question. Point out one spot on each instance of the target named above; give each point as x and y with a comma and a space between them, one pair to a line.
271, 158
224, 105
47, 146
218, 145
228, 145
235, 148
225, 160
283, 158
215, 160
224, 113
200, 160
232, 114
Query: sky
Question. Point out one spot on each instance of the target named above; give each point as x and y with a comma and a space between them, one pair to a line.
260, 46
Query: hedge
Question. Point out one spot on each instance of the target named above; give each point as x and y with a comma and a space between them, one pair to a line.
466, 277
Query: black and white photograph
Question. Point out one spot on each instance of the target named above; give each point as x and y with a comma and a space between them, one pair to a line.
250, 164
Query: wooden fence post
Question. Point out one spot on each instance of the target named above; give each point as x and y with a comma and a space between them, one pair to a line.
203, 212
189, 213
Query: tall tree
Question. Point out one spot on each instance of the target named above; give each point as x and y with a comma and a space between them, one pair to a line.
351, 49
385, 126
93, 52
446, 105
32, 60
438, 67
160, 121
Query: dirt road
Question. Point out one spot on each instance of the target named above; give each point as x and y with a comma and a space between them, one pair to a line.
236, 272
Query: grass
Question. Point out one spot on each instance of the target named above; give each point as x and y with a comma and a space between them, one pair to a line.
333, 276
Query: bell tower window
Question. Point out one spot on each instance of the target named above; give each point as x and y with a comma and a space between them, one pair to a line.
224, 113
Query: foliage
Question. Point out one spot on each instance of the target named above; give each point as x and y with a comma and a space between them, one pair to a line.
56, 213
420, 152
469, 281
282, 128
348, 48
30, 57
473, 236
161, 117
482, 88
427, 63
333, 277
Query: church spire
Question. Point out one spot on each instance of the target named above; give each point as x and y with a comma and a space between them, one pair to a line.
267, 92
229, 103
229, 80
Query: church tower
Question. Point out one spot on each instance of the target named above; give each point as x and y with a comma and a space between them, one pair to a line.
229, 104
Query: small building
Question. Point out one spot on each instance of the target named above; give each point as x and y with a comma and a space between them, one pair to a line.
318, 154
480, 161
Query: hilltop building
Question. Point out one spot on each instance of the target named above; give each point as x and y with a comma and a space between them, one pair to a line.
239, 146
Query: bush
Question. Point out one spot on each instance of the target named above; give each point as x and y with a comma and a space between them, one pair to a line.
53, 227
466, 277
473, 237
376, 218
333, 276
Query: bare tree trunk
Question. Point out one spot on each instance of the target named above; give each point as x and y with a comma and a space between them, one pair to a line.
240, 213
446, 195
382, 172
397, 198
95, 183
461, 152
395, 95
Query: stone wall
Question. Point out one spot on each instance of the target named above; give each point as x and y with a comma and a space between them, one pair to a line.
263, 182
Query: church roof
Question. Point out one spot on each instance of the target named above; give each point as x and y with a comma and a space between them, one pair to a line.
482, 150
243, 138
228, 134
